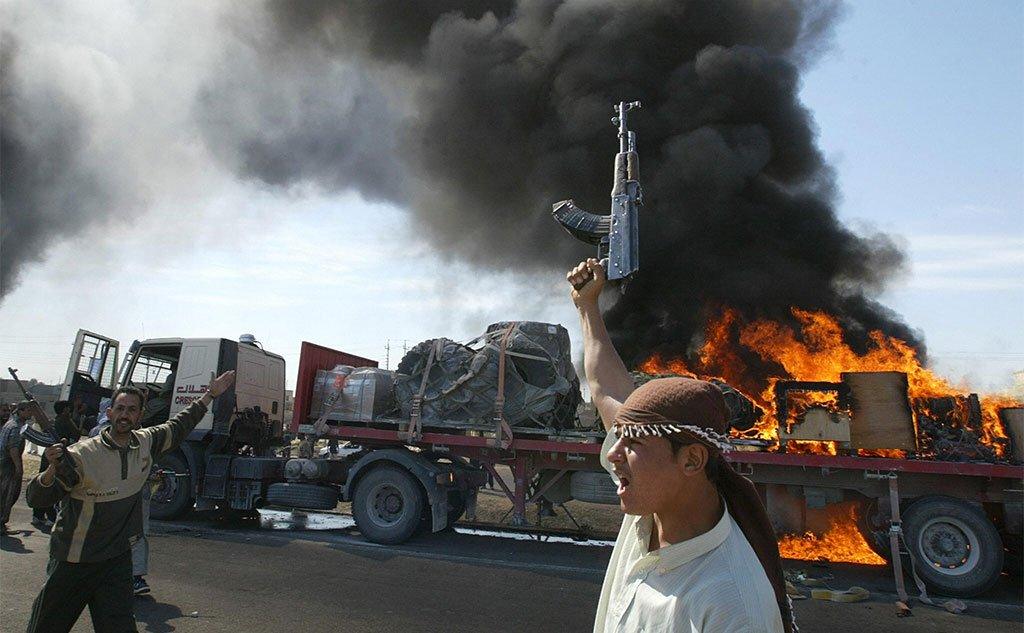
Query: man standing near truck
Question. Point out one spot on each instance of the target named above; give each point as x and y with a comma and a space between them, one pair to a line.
101, 479
140, 550
696, 551
12, 445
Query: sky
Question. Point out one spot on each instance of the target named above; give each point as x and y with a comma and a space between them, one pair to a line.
919, 110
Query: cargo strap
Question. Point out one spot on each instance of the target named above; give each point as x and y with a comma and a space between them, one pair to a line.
896, 538
502, 431
320, 426
414, 431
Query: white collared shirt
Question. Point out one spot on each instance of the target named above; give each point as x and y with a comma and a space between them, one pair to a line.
712, 583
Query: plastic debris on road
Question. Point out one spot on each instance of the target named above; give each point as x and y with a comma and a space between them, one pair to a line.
853, 594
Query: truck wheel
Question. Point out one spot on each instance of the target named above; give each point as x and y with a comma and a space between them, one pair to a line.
387, 505
172, 496
594, 487
875, 534
303, 496
955, 547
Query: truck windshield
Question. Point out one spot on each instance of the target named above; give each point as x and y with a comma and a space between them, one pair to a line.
151, 368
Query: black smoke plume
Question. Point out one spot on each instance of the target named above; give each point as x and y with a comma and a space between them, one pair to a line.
502, 108
50, 186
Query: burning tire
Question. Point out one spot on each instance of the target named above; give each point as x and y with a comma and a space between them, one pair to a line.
172, 496
874, 528
387, 505
956, 548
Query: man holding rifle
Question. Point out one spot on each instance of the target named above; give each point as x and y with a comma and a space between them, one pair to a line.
99, 483
65, 427
696, 552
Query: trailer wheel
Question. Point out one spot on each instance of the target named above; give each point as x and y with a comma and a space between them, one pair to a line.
594, 487
387, 505
303, 496
875, 534
172, 496
955, 547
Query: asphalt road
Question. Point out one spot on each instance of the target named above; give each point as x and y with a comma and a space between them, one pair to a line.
317, 574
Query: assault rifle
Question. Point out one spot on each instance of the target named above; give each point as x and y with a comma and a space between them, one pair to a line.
616, 235
41, 432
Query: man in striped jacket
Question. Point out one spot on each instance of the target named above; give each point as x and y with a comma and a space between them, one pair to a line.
98, 483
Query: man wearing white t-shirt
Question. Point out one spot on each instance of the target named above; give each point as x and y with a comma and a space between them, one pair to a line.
696, 551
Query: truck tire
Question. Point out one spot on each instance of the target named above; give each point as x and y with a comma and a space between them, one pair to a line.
172, 496
875, 534
594, 487
956, 548
302, 496
387, 505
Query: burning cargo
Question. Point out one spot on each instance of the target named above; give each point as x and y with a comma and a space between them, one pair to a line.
788, 371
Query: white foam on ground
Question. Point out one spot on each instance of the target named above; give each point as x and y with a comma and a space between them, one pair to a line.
285, 520
527, 536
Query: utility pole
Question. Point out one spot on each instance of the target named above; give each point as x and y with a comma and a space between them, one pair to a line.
387, 354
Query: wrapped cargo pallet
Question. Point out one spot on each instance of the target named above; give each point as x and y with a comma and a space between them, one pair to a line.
352, 395
459, 382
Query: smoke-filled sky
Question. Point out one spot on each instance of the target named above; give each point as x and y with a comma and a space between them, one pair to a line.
143, 142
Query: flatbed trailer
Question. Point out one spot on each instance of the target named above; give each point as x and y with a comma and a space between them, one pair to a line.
957, 518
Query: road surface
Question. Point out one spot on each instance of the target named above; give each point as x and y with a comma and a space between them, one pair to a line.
317, 574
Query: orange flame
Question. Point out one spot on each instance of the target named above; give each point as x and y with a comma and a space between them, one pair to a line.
842, 542
817, 352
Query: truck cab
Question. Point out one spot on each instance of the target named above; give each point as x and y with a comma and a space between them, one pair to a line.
173, 372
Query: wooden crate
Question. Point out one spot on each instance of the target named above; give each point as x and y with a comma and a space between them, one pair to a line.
880, 413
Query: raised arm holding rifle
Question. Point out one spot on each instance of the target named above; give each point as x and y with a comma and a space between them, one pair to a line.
696, 551
99, 484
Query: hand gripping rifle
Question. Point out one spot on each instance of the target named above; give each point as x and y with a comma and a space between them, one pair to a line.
616, 235
40, 432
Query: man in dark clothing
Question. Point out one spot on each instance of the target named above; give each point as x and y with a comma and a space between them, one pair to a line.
12, 445
65, 429
99, 481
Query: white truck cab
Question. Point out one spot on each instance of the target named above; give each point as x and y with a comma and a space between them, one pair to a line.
228, 461
176, 371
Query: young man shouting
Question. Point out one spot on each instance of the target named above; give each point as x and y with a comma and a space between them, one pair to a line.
99, 481
696, 552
